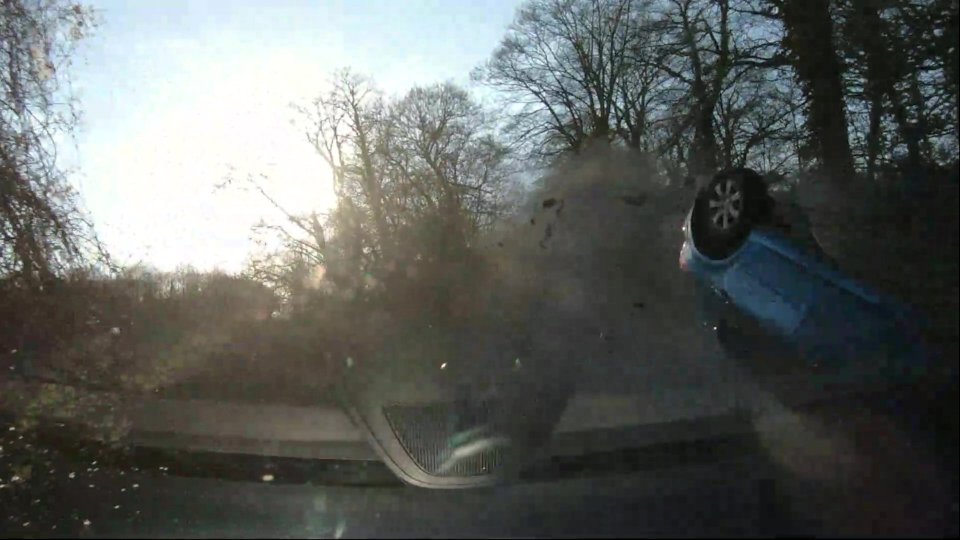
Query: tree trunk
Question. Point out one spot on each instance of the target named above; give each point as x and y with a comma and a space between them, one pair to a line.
952, 62
869, 35
809, 37
704, 151
874, 133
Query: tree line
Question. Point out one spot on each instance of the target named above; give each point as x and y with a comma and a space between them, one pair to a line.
839, 90
846, 86
842, 87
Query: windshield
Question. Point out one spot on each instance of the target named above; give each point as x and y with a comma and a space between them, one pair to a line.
305, 242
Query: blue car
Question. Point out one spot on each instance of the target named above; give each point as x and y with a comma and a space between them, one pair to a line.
774, 296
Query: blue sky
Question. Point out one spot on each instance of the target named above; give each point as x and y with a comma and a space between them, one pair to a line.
175, 93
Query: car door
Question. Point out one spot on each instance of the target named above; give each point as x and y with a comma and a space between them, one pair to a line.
770, 283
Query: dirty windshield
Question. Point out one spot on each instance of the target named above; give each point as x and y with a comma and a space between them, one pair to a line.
260, 249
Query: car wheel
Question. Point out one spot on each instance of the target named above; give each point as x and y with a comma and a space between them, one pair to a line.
725, 211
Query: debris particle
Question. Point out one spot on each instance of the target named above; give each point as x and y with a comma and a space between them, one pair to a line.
639, 305
549, 203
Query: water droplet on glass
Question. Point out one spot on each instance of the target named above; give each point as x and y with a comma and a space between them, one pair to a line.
71, 476
443, 365
135, 486
87, 523
267, 478
116, 507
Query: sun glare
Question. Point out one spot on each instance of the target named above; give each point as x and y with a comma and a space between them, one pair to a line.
213, 124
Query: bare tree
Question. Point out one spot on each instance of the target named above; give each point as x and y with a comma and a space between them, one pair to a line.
636, 108
696, 38
645, 74
344, 128
709, 48
428, 163
897, 82
570, 68
755, 122
42, 230
445, 153
809, 37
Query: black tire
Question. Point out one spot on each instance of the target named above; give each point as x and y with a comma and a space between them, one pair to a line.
726, 210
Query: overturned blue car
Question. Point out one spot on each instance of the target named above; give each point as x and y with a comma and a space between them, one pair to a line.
776, 299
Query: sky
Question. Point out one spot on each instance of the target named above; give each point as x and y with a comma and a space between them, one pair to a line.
178, 94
